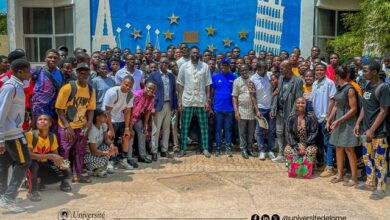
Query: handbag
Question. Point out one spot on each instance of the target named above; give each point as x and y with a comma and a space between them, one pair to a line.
300, 166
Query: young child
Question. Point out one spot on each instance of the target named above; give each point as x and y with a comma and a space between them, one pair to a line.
46, 164
100, 146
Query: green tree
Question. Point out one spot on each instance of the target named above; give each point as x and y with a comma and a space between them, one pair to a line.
3, 23
369, 31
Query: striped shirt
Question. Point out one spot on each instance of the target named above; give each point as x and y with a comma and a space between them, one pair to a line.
245, 105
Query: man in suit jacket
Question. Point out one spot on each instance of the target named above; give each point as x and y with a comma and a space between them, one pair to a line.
290, 88
165, 106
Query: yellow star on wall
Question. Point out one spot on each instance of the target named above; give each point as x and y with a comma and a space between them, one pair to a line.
136, 34
210, 31
243, 34
227, 42
174, 19
168, 35
211, 47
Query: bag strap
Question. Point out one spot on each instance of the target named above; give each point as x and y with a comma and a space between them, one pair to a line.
51, 139
378, 89
117, 97
35, 136
51, 78
73, 90
129, 97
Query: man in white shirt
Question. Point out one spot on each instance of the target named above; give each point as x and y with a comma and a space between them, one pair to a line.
118, 103
130, 70
194, 82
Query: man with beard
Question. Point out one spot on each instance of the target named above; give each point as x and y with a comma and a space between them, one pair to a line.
194, 82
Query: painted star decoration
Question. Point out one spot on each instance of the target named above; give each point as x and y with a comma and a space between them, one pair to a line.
168, 35
174, 19
243, 34
227, 42
136, 34
210, 30
211, 47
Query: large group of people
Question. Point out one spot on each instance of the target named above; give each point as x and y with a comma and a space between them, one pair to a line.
86, 115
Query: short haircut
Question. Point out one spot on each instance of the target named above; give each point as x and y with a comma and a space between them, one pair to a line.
373, 65
16, 54
63, 62
72, 59
261, 64
321, 64
207, 50
115, 59
150, 81
52, 51
334, 54
309, 71
2, 57
194, 47
128, 77
342, 72
46, 115
19, 64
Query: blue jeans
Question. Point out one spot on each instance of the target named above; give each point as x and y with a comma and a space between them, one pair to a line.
329, 149
262, 133
223, 120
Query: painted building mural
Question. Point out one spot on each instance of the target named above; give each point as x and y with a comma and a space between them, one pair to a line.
218, 25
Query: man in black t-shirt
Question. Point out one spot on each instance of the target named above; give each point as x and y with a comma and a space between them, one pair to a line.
375, 129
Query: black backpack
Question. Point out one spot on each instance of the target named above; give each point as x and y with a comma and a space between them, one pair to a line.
35, 136
71, 111
128, 98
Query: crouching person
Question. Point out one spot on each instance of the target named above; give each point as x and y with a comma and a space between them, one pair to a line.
47, 166
100, 146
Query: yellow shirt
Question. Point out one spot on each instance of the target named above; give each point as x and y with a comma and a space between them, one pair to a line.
295, 71
307, 88
81, 101
43, 144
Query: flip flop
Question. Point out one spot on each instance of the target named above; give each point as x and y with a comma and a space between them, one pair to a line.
336, 180
34, 196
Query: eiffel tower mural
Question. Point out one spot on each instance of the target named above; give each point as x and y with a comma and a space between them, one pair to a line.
103, 19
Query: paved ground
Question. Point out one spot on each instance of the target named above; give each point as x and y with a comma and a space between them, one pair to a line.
197, 187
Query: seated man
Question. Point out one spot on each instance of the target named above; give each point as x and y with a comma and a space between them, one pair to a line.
46, 164
302, 130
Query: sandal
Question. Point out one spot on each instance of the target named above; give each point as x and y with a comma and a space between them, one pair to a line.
336, 179
34, 196
65, 186
84, 179
350, 183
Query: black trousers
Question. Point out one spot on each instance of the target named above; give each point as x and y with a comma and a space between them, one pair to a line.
16, 155
47, 172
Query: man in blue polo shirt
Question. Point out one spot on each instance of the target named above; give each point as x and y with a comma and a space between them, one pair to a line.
221, 96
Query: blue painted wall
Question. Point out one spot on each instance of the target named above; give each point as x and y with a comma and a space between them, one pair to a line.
227, 16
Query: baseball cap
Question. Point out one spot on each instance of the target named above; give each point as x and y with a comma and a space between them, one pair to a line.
82, 66
225, 60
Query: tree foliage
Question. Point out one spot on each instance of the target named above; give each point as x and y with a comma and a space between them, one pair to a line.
369, 31
3, 23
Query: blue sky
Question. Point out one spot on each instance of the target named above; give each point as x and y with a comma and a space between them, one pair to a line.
3, 5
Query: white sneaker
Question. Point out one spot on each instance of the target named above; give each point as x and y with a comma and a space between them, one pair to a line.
278, 159
124, 165
11, 206
110, 167
262, 156
271, 155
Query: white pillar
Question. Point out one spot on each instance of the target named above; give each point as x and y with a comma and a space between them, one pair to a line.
307, 27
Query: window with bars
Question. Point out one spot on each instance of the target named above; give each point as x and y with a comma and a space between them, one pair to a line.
46, 28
